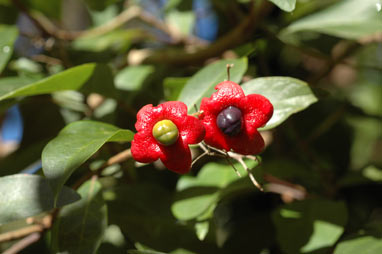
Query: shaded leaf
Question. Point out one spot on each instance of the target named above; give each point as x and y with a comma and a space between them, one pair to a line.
144, 252
143, 213
74, 145
197, 194
22, 196
131, 78
8, 35
202, 84
285, 5
288, 96
350, 19
71, 79
101, 81
309, 225
80, 226
172, 87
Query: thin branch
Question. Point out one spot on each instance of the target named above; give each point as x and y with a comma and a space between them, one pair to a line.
118, 158
40, 226
122, 18
23, 243
241, 161
198, 158
348, 49
234, 38
233, 166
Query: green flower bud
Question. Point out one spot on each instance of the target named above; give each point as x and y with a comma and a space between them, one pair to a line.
165, 132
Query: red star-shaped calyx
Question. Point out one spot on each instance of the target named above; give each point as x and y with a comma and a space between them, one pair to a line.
230, 105
176, 155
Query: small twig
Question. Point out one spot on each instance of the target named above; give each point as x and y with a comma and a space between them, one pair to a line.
118, 158
229, 66
40, 226
287, 190
235, 37
238, 157
198, 158
23, 243
233, 166
241, 161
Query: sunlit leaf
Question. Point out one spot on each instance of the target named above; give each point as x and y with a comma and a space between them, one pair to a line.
71, 79
363, 244
74, 145
350, 19
288, 96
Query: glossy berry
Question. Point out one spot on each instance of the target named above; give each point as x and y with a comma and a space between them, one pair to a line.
229, 121
165, 132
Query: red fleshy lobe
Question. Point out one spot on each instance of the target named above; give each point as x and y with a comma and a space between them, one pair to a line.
256, 111
176, 157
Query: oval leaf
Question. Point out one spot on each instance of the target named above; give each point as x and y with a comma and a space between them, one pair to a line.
364, 244
351, 19
22, 196
197, 194
80, 226
71, 79
8, 35
312, 224
132, 78
74, 145
288, 96
202, 84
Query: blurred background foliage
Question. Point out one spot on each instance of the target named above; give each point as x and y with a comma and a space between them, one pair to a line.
62, 61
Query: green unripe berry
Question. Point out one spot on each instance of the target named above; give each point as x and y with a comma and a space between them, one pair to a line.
165, 132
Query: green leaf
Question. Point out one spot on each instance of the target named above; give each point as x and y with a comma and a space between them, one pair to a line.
309, 225
350, 19
131, 78
101, 81
197, 194
143, 213
8, 35
201, 229
24, 195
288, 96
202, 84
363, 244
80, 226
74, 145
285, 5
71, 79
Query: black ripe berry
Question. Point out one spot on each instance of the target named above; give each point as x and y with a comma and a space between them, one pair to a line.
229, 121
